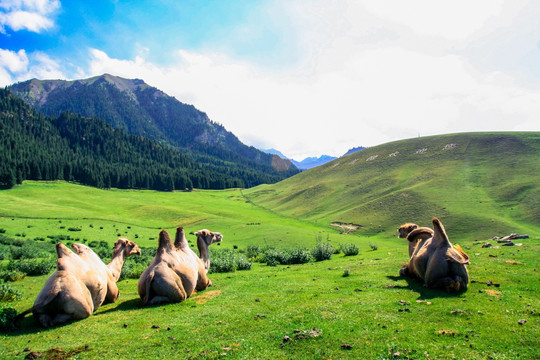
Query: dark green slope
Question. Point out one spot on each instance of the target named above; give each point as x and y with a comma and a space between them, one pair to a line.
90, 151
479, 184
140, 109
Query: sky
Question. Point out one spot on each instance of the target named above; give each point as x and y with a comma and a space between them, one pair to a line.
305, 77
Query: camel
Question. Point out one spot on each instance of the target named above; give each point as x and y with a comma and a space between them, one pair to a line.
80, 284
436, 261
65, 296
206, 238
123, 248
174, 273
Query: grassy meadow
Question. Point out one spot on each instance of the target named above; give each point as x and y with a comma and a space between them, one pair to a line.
347, 307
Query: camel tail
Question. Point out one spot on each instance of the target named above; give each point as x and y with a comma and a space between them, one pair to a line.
148, 284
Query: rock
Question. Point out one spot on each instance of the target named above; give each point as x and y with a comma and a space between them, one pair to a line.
486, 245
508, 243
286, 339
522, 321
33, 355
346, 347
155, 326
27, 349
125, 325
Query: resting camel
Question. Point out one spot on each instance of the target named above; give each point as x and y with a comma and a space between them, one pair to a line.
174, 273
80, 284
437, 262
123, 248
65, 295
206, 238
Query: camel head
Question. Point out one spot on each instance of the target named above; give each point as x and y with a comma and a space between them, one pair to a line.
208, 237
127, 247
405, 229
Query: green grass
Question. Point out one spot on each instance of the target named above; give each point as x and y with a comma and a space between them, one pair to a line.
249, 314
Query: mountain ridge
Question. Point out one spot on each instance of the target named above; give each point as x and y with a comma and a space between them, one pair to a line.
140, 109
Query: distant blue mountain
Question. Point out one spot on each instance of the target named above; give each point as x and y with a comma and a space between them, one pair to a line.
311, 162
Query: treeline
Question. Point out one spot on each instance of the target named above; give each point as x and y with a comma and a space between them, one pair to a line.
90, 151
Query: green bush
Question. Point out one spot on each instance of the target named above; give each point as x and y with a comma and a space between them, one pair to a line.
7, 317
11, 275
253, 251
226, 260
5, 252
132, 270
2, 231
32, 266
300, 256
373, 246
349, 249
7, 293
274, 257
322, 251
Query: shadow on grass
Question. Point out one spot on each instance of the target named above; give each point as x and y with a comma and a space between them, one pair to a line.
132, 304
416, 286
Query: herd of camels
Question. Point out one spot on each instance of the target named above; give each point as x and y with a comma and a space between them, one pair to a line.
82, 282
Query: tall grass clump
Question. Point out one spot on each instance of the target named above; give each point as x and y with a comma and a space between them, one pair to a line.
7, 317
227, 260
11, 275
300, 255
349, 249
7, 293
322, 251
32, 267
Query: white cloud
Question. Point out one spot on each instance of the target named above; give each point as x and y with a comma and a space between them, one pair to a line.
31, 15
20, 66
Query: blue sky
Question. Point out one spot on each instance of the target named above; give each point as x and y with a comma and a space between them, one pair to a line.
307, 77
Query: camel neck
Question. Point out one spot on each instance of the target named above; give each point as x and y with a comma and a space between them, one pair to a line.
203, 252
115, 266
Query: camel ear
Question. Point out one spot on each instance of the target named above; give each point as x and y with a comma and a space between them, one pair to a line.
164, 240
439, 233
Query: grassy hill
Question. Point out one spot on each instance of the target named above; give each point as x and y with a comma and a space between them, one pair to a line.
479, 184
371, 313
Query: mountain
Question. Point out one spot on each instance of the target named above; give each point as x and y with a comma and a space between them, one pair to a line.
479, 184
137, 108
312, 162
353, 150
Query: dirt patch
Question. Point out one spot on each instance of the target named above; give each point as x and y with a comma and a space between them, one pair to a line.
494, 293
347, 228
205, 296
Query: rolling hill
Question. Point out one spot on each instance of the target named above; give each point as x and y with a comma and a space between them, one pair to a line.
479, 184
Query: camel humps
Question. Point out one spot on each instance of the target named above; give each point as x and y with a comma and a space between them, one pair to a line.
174, 273
80, 284
435, 260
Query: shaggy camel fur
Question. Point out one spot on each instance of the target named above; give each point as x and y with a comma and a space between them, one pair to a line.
437, 262
123, 248
65, 296
174, 273
206, 238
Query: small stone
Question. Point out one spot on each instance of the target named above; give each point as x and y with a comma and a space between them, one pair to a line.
27, 349
172, 338
357, 290
168, 328
33, 355
397, 354
125, 325
257, 300
155, 326
346, 346
286, 339
522, 321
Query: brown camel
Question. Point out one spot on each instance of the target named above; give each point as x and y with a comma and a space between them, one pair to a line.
123, 248
174, 273
206, 238
437, 262
65, 296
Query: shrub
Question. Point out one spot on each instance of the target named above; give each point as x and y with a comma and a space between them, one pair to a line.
322, 251
300, 256
373, 246
32, 266
274, 257
7, 317
349, 249
2, 231
11, 275
253, 251
74, 229
5, 252
132, 270
227, 261
346, 272
7, 293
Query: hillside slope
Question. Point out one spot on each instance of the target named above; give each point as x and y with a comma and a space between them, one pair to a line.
139, 109
479, 184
